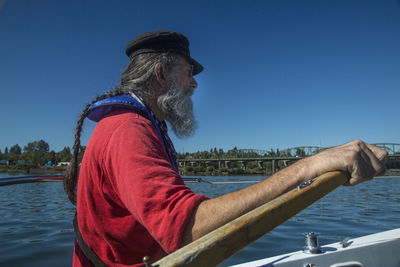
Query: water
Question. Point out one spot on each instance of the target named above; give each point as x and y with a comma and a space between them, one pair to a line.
36, 220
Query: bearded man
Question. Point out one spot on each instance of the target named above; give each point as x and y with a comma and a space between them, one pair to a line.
131, 200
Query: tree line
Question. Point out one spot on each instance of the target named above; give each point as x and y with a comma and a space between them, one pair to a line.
36, 153
215, 153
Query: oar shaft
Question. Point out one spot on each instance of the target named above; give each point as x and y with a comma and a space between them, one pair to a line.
29, 179
220, 244
41, 178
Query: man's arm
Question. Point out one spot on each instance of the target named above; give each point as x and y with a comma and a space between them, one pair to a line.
361, 160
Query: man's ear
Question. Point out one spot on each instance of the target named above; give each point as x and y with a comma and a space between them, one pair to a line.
160, 72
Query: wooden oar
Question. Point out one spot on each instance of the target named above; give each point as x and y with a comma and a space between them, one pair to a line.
220, 244
30, 179
51, 178
201, 180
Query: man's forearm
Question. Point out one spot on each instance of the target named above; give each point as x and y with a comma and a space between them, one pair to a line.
213, 213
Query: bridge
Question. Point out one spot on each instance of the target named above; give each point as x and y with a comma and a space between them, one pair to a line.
243, 162
270, 161
391, 148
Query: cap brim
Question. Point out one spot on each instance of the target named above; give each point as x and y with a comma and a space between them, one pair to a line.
197, 67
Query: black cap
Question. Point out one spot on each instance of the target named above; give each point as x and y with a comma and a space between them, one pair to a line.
162, 42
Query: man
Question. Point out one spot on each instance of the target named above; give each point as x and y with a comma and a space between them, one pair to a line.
131, 200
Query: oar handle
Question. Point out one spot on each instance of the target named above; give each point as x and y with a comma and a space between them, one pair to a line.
220, 244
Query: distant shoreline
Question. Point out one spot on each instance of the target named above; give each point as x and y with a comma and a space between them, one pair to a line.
37, 170
61, 170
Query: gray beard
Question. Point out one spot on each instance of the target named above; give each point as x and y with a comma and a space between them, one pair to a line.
178, 106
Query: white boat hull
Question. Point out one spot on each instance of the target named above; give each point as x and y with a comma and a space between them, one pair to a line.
381, 249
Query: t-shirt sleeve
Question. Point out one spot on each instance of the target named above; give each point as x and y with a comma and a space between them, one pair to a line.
147, 184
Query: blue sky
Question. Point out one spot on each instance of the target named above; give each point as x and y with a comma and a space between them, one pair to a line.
278, 74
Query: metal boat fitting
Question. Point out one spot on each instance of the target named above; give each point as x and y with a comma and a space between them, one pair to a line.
312, 246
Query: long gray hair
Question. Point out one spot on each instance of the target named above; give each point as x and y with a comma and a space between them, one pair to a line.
138, 77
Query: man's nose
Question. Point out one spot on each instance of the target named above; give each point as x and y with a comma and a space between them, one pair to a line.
193, 83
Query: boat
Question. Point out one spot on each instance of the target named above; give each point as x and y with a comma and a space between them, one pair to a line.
375, 250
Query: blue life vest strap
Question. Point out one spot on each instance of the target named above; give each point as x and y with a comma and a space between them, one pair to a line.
101, 108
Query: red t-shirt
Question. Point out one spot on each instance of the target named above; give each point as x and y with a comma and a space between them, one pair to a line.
131, 201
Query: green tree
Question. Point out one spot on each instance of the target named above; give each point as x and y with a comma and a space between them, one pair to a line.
14, 154
236, 171
223, 170
36, 152
43, 147
37, 146
221, 153
252, 165
15, 149
233, 153
210, 169
236, 165
188, 169
64, 155
29, 148
199, 169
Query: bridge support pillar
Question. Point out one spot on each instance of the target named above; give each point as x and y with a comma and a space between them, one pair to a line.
275, 166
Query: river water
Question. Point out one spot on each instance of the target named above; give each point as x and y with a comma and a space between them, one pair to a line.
36, 220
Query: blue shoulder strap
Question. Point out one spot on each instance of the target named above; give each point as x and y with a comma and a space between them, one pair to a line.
102, 107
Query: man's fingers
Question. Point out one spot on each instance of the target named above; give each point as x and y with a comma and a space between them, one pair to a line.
381, 156
367, 161
380, 153
371, 158
363, 161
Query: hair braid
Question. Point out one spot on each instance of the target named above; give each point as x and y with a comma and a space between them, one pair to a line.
71, 174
